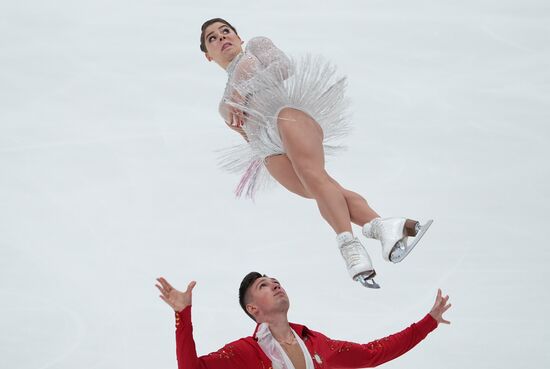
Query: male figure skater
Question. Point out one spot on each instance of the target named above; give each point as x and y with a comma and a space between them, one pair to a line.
278, 344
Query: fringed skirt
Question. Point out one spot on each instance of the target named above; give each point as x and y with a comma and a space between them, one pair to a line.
311, 86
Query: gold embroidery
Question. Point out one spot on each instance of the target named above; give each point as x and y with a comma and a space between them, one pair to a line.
225, 353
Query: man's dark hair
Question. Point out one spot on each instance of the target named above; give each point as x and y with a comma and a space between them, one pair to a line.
209, 22
245, 285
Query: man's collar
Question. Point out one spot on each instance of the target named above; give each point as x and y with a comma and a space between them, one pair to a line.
302, 330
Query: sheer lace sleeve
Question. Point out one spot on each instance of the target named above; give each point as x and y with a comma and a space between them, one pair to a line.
240, 72
247, 74
271, 57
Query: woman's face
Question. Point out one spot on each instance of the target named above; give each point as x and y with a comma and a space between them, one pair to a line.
222, 44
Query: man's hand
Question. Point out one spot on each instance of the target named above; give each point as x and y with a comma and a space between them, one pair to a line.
176, 299
440, 306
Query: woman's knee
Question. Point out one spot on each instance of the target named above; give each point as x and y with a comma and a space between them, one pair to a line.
280, 168
313, 179
289, 117
289, 114
302, 193
354, 199
297, 189
351, 197
335, 182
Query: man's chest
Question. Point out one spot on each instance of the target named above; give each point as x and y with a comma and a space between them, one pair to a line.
295, 355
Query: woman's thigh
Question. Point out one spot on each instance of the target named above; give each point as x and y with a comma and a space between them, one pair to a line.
302, 139
280, 168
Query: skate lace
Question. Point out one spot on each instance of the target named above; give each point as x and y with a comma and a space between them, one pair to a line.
352, 253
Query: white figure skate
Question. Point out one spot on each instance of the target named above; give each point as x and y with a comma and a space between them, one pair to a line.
391, 233
357, 260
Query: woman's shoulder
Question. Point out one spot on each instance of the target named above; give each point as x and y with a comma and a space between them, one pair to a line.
258, 42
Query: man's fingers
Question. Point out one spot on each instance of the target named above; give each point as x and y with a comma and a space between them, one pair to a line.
163, 282
438, 296
445, 308
191, 286
166, 282
165, 300
445, 321
159, 280
162, 290
442, 302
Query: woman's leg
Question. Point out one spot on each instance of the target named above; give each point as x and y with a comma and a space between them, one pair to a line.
302, 139
280, 168
359, 209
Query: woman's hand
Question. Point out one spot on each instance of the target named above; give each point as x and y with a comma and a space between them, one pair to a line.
239, 130
440, 306
176, 299
236, 117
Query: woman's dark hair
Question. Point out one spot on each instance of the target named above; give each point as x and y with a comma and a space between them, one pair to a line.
209, 22
245, 285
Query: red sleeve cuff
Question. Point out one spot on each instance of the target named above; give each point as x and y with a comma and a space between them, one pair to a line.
183, 316
427, 324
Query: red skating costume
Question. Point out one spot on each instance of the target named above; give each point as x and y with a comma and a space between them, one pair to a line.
326, 353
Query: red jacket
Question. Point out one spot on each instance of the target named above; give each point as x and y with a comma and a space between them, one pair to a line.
326, 353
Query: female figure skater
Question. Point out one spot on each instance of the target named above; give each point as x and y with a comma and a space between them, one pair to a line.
289, 112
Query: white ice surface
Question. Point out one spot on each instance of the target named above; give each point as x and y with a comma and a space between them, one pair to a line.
108, 179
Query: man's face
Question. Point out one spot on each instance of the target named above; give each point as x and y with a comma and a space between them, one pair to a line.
266, 297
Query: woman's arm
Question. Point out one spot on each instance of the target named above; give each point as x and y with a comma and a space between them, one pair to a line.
270, 56
234, 118
238, 129
262, 58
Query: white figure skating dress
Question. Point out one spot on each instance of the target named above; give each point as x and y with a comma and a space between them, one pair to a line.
262, 81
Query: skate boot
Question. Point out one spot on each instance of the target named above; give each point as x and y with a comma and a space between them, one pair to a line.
391, 233
357, 260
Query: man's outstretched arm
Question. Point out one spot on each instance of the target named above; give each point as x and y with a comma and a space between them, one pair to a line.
353, 355
229, 357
